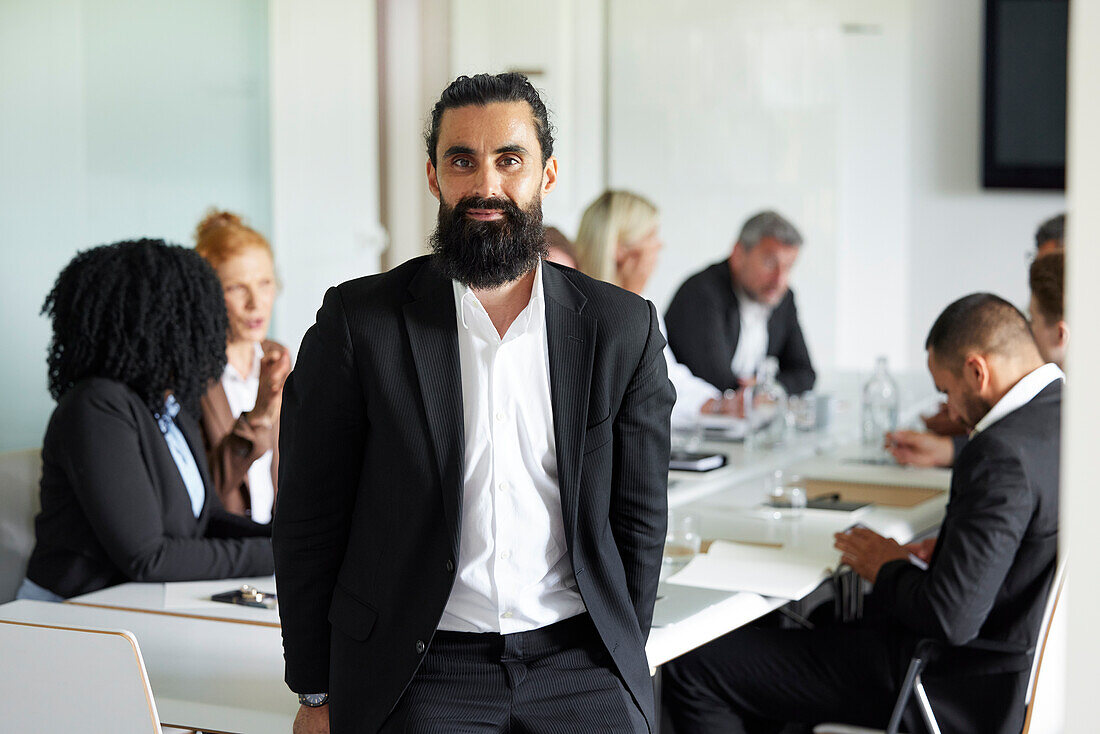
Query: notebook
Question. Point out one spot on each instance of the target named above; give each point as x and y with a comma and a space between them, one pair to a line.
695, 461
677, 603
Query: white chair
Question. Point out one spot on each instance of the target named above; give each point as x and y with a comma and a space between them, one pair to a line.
1050, 651
57, 679
20, 472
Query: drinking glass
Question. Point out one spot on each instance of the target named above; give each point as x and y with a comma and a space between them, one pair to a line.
687, 437
682, 542
787, 496
804, 408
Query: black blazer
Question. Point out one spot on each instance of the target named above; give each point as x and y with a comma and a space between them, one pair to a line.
367, 523
991, 569
115, 508
704, 325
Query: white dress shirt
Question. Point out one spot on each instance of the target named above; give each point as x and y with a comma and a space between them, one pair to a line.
513, 571
752, 343
241, 391
1021, 394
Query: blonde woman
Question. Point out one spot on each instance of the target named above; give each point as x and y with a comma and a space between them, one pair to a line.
618, 242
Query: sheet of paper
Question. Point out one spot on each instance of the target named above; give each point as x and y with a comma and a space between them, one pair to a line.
777, 572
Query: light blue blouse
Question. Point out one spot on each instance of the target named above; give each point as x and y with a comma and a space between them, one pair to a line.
181, 453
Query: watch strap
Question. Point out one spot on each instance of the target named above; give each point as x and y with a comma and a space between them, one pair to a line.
313, 700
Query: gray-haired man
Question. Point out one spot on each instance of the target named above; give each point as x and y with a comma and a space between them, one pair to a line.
725, 320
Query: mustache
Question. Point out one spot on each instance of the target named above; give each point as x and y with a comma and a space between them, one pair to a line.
478, 202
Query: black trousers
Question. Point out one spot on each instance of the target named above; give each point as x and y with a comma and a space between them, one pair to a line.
558, 678
755, 680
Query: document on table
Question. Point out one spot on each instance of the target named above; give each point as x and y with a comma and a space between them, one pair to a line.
778, 572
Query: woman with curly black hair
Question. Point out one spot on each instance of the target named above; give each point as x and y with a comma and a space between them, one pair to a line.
138, 333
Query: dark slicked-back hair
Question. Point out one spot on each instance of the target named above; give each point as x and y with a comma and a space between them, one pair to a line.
484, 89
980, 322
144, 313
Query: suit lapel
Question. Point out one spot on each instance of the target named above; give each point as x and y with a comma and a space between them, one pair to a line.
734, 312
777, 325
430, 321
571, 346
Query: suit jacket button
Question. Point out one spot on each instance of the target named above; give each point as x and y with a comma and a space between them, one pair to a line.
420, 647
450, 566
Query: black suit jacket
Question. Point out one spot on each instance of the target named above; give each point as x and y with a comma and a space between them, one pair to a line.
991, 569
367, 524
704, 325
115, 508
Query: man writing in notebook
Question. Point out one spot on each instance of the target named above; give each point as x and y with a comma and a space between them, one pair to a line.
475, 454
987, 577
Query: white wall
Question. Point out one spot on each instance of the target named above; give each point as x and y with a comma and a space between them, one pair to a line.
961, 238
324, 153
118, 119
872, 293
721, 108
414, 67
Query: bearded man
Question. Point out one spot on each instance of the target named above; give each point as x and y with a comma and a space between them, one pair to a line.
474, 466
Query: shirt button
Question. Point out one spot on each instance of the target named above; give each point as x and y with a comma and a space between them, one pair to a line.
420, 647
500, 417
450, 566
506, 615
502, 486
505, 555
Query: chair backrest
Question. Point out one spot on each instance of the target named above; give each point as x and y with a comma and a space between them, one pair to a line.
69, 679
20, 472
1049, 661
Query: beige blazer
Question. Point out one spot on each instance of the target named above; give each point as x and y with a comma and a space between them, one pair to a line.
232, 445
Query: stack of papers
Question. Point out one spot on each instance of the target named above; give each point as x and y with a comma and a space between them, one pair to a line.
777, 572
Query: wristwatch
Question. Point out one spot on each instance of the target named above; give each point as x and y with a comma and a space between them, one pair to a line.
313, 700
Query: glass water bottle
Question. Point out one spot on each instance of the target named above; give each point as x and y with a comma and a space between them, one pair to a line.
767, 409
880, 405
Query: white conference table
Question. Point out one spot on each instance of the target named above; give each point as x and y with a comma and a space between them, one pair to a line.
732, 513
190, 599
219, 667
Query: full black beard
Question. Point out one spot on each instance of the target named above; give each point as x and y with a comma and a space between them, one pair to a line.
485, 255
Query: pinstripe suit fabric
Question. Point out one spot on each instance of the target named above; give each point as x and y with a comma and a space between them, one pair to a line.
555, 679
